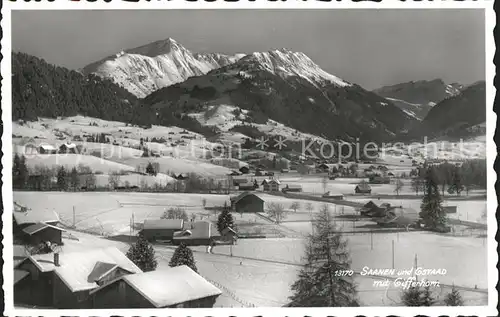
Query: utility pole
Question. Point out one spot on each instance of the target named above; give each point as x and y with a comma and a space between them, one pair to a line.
371, 239
416, 265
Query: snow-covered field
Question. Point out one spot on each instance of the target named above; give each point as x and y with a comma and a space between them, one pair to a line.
73, 160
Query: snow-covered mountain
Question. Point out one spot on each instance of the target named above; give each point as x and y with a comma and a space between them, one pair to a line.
147, 68
417, 98
289, 88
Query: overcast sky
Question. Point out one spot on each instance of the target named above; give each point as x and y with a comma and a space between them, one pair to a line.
372, 48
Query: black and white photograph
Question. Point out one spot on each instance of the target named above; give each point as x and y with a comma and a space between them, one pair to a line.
249, 158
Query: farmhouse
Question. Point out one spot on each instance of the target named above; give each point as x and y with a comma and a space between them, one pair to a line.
271, 185
46, 149
234, 173
195, 233
240, 180
180, 176
24, 218
363, 188
177, 287
68, 148
292, 188
248, 186
247, 202
399, 217
161, 229
64, 280
370, 209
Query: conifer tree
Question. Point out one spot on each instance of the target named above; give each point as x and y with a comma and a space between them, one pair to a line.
456, 185
427, 297
20, 172
61, 178
75, 181
225, 219
142, 254
320, 283
454, 298
413, 296
183, 256
432, 211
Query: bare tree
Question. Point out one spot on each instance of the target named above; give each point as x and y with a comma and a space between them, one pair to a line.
175, 213
398, 185
276, 211
309, 207
204, 202
417, 185
295, 206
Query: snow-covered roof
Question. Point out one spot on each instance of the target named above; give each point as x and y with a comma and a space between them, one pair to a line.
169, 287
198, 229
47, 147
235, 199
75, 268
163, 224
39, 227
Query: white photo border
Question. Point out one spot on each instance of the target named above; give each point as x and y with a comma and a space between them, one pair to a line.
8, 7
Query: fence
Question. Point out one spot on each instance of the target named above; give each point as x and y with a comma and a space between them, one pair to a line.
231, 294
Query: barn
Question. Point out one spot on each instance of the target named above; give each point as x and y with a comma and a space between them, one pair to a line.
292, 188
247, 203
46, 149
161, 229
336, 196
24, 218
68, 148
363, 189
185, 289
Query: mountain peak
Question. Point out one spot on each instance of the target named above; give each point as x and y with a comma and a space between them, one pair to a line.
157, 48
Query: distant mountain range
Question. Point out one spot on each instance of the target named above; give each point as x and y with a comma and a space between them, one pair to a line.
416, 98
147, 68
164, 83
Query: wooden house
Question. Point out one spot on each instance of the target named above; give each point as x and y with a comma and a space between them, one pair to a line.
248, 186
195, 233
247, 203
68, 148
229, 235
161, 229
271, 185
177, 287
399, 217
64, 280
335, 196
244, 169
38, 233
363, 188
46, 149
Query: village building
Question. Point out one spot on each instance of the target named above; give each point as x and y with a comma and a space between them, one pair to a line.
180, 176
46, 149
271, 185
363, 188
161, 229
64, 280
196, 233
247, 203
38, 233
24, 217
68, 148
370, 209
244, 169
239, 180
177, 287
292, 188
234, 173
399, 217
248, 186
377, 179
336, 196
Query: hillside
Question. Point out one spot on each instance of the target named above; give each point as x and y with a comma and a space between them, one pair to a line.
456, 117
147, 68
416, 98
289, 88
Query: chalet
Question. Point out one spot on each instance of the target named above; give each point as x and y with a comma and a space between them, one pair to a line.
247, 203
245, 169
336, 196
370, 209
161, 229
363, 188
292, 188
399, 217
180, 176
64, 280
46, 149
195, 233
248, 186
68, 148
271, 185
177, 287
